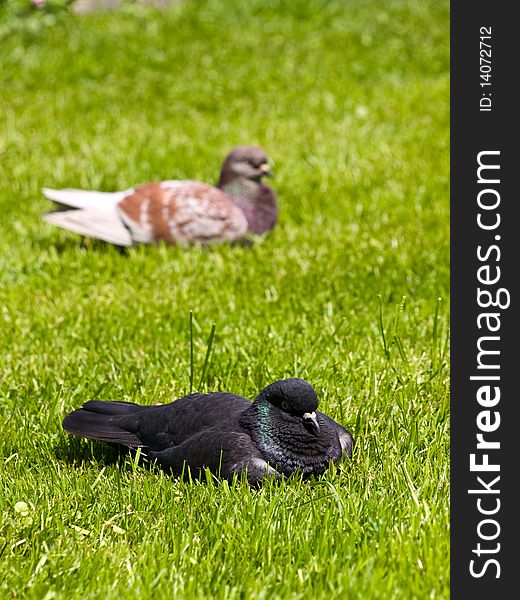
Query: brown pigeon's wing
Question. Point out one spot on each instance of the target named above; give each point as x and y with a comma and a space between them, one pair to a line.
204, 214
185, 212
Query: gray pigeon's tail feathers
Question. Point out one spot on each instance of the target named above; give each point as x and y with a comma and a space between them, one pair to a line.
98, 420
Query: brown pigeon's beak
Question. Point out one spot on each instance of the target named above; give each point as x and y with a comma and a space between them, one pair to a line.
311, 422
266, 170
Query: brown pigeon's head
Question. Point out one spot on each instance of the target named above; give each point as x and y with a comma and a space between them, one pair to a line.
248, 162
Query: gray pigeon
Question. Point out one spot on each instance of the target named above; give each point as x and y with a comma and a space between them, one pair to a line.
278, 434
176, 211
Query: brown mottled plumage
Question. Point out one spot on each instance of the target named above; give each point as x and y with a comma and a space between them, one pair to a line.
176, 211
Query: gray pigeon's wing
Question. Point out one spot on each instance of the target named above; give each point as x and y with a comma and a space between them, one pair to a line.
154, 427
345, 437
171, 424
225, 453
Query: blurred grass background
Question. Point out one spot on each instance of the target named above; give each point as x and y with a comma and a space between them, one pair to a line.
350, 291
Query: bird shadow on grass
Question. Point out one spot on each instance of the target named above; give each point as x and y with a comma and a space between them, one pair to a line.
62, 245
86, 244
77, 452
89, 245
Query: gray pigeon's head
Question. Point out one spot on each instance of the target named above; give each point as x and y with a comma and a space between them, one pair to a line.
248, 162
295, 397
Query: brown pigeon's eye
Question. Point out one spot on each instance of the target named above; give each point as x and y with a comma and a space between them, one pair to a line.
285, 405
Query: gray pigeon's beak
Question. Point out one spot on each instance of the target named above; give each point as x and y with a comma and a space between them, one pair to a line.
266, 170
311, 422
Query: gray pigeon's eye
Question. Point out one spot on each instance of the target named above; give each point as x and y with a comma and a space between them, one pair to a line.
285, 405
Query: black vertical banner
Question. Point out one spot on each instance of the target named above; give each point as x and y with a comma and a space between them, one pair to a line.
485, 262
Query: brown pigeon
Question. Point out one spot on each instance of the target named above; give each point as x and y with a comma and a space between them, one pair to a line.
176, 211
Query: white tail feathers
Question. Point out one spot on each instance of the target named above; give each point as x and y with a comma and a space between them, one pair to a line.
84, 198
100, 223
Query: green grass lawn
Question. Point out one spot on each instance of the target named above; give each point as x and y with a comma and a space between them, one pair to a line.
350, 291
